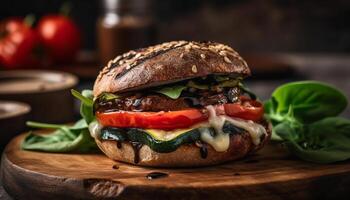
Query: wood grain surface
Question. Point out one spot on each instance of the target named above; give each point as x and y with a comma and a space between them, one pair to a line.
270, 174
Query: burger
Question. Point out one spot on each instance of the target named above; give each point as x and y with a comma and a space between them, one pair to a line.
177, 104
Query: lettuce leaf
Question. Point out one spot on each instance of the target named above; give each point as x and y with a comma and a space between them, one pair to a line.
173, 92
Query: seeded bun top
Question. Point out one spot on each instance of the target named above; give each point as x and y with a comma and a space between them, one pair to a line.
166, 63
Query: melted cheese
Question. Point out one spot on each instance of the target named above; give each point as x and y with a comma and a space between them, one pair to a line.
255, 130
95, 129
221, 141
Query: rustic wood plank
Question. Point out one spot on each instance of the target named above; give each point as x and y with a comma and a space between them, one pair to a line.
270, 174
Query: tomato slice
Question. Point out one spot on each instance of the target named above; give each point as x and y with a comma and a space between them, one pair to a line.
153, 120
248, 109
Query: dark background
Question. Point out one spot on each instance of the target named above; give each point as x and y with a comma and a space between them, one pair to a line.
247, 25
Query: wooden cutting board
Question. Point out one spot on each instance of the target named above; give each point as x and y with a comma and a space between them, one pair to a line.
270, 174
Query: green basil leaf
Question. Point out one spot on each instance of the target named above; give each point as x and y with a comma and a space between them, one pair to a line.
324, 141
173, 92
311, 101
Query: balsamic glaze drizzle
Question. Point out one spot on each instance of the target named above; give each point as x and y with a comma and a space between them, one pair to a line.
136, 147
204, 151
119, 145
154, 175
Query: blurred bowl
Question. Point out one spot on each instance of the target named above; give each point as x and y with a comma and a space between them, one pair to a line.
47, 92
269, 65
13, 116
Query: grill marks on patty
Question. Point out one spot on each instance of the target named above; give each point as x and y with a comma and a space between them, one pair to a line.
153, 103
159, 102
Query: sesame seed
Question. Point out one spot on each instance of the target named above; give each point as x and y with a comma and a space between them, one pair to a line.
203, 56
195, 46
227, 59
180, 43
212, 50
137, 55
222, 53
117, 59
128, 66
181, 55
121, 62
109, 64
187, 48
194, 68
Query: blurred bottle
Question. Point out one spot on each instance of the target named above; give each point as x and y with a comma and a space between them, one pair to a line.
124, 25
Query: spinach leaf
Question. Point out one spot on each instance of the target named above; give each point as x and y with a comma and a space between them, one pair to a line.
311, 101
173, 92
193, 84
85, 97
86, 106
107, 96
302, 114
81, 124
43, 125
74, 138
324, 141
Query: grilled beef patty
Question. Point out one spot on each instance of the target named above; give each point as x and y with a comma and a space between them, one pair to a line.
159, 102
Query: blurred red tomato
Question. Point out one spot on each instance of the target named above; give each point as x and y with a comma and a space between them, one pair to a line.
19, 44
60, 36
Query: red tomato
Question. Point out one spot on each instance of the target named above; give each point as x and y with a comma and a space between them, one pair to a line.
18, 43
153, 120
247, 109
60, 36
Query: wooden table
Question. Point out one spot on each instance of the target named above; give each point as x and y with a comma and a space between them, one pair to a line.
271, 174
3, 193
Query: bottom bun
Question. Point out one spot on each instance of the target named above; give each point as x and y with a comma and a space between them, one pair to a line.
187, 155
